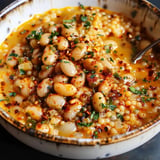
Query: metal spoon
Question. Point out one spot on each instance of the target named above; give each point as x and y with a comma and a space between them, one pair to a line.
139, 55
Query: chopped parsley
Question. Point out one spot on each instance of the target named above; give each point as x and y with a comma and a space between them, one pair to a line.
31, 123
83, 18
87, 24
81, 6
69, 20
23, 32
92, 76
157, 77
35, 35
108, 48
144, 99
1, 100
12, 94
95, 134
94, 115
120, 117
52, 35
22, 72
111, 59
143, 91
67, 25
13, 54
76, 41
117, 76
84, 124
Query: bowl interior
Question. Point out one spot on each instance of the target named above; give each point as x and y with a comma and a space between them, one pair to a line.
20, 11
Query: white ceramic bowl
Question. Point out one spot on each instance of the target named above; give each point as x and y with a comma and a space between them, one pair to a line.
20, 11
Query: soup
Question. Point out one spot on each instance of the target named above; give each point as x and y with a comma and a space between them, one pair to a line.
68, 72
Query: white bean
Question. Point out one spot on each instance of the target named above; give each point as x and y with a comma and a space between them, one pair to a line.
78, 80
55, 101
84, 94
67, 128
111, 44
34, 111
44, 87
69, 32
18, 98
64, 89
24, 86
72, 109
49, 55
106, 86
92, 64
26, 66
13, 55
36, 56
94, 79
42, 127
60, 78
79, 51
34, 43
99, 102
62, 43
68, 68
45, 39
45, 72
57, 69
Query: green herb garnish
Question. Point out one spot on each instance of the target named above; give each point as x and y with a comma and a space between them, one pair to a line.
12, 94
84, 124
120, 117
83, 18
35, 35
94, 115
22, 72
117, 76
13, 54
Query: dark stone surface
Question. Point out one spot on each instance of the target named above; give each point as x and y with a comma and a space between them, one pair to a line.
10, 148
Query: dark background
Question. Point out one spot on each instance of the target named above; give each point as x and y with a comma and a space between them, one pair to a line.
10, 148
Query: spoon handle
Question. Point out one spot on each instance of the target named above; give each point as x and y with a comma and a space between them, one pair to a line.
141, 53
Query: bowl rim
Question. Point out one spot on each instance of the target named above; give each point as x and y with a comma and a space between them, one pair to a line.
69, 140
